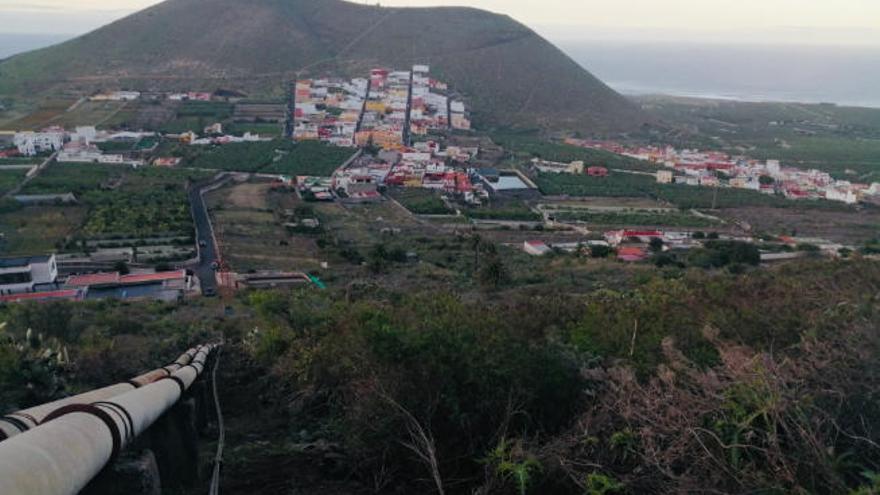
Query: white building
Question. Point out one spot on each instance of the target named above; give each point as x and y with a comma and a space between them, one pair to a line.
536, 248
32, 143
664, 176
75, 152
85, 134
24, 274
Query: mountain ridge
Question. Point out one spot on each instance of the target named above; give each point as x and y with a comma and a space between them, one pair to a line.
509, 73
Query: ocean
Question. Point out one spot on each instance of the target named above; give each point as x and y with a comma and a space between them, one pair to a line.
807, 74
814, 74
10, 44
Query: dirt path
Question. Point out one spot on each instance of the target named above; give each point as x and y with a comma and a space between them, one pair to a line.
264, 451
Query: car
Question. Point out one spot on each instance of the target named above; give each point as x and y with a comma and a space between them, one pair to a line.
203, 243
209, 292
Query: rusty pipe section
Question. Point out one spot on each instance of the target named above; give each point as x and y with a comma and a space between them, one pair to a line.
75, 442
20, 421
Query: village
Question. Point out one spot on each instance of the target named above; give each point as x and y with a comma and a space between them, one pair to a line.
412, 144
718, 169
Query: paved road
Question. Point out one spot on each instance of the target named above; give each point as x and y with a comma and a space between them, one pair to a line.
209, 253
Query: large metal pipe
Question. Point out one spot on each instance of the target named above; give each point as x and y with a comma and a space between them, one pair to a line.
74, 443
20, 421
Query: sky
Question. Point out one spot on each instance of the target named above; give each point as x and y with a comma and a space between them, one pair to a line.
848, 22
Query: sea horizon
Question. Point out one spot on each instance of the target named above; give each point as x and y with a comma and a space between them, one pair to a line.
712, 71
840, 75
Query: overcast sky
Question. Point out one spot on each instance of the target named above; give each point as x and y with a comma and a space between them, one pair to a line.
755, 21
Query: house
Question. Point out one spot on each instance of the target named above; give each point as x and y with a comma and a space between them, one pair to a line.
78, 152
536, 248
54, 295
632, 254
117, 96
664, 177
576, 167
27, 274
167, 162
617, 237
32, 143
216, 128
165, 286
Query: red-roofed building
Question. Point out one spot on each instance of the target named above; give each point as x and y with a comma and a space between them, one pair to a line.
57, 295
632, 254
175, 278
616, 237
95, 279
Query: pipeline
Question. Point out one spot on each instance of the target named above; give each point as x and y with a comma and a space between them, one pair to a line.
74, 443
20, 421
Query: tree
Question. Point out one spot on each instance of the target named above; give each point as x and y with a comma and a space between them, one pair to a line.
766, 180
121, 267
493, 274
600, 251
656, 244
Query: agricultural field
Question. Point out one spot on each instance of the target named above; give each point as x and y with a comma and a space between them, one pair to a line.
21, 160
848, 227
840, 140
38, 229
682, 196
44, 114
420, 201
309, 158
76, 178
631, 218
273, 157
96, 113
122, 201
196, 115
522, 147
273, 130
248, 221
10, 179
506, 210
615, 185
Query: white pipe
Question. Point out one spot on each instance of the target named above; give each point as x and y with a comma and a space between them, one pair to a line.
62, 455
17, 422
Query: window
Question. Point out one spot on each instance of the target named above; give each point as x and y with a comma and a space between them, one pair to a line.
15, 278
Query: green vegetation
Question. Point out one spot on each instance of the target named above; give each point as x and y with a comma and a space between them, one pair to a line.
262, 129
518, 79
504, 210
525, 146
23, 160
714, 350
615, 185
310, 158
123, 201
276, 157
683, 196
10, 179
840, 140
667, 219
77, 178
420, 201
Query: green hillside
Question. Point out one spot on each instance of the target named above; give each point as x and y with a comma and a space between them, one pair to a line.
509, 74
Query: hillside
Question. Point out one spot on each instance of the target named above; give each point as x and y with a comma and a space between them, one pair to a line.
509, 74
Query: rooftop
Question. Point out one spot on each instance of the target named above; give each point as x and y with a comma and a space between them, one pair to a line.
23, 261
